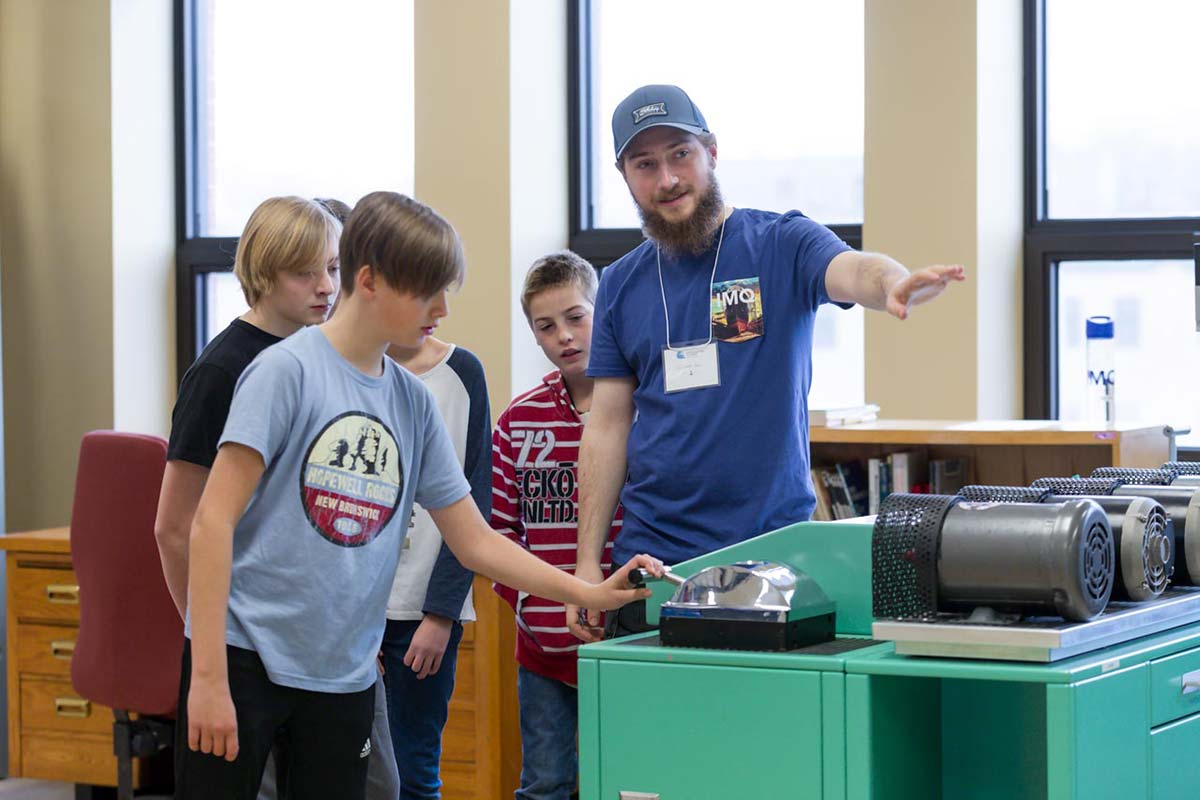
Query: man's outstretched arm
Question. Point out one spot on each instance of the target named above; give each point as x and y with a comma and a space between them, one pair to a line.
879, 282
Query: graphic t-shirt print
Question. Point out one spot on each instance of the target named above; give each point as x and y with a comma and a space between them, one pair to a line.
351, 480
737, 312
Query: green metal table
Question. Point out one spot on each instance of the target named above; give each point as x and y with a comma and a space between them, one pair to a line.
858, 722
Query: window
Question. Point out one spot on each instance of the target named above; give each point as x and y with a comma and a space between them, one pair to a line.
1112, 203
1153, 306
781, 85
1122, 109
262, 97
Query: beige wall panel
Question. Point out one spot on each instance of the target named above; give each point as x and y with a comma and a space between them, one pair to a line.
1001, 222
462, 157
55, 246
920, 199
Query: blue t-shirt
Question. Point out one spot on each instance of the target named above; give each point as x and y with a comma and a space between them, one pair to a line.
714, 466
316, 550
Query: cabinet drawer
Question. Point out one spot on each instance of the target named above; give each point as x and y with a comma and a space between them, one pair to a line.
42, 591
48, 704
1169, 698
76, 759
1174, 768
45, 649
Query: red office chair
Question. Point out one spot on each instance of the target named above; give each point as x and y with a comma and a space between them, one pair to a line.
130, 640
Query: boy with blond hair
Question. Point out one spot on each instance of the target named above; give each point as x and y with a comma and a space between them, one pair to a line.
298, 533
535, 452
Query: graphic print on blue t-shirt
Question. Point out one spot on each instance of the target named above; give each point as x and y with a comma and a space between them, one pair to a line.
737, 310
350, 483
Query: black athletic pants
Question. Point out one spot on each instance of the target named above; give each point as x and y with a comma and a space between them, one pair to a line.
326, 738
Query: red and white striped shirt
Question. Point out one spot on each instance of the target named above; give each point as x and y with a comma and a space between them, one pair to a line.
535, 502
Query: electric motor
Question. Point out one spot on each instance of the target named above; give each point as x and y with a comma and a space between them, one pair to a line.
934, 553
1143, 535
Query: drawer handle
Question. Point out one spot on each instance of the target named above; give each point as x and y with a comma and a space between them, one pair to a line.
66, 593
62, 648
72, 707
1191, 682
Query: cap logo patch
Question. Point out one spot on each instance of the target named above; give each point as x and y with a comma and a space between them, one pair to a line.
652, 110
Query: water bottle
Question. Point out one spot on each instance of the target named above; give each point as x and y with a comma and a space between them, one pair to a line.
1101, 372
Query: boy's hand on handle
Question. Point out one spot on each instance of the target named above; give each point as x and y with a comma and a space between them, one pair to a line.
618, 591
428, 645
212, 720
921, 287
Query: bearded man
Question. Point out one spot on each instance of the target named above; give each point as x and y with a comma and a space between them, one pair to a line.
702, 355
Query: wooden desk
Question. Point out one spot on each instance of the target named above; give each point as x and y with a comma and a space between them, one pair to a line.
53, 734
1001, 452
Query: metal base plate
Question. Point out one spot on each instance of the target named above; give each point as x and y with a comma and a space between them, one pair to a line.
1041, 639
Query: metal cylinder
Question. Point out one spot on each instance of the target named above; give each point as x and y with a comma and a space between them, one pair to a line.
1182, 504
1183, 467
1053, 559
1078, 486
1139, 475
1003, 494
1143, 536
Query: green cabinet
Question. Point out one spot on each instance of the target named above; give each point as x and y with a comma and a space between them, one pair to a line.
690, 724
858, 722
1175, 760
700, 732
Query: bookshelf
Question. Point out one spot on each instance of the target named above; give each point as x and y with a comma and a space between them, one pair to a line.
999, 452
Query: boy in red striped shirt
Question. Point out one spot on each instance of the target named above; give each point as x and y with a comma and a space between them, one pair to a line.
535, 502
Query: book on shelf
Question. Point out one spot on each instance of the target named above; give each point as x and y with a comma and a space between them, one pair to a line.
947, 475
840, 505
854, 480
846, 415
823, 512
910, 471
879, 482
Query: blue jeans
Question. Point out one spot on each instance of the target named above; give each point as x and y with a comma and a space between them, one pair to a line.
417, 710
549, 728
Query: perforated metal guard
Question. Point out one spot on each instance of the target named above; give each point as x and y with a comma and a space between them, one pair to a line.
1183, 467
1003, 494
1078, 486
1098, 562
904, 547
1146, 477
1157, 574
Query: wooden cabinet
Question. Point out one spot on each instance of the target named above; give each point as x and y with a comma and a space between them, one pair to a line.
481, 745
1001, 453
53, 733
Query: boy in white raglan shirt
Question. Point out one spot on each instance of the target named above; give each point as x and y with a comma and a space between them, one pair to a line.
431, 595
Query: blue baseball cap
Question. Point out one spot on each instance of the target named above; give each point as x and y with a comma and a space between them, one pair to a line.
651, 107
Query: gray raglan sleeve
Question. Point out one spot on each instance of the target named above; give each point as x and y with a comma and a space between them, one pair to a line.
450, 581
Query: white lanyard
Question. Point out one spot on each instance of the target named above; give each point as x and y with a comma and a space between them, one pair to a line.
713, 277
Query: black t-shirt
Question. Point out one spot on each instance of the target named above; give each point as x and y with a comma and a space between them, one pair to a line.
207, 390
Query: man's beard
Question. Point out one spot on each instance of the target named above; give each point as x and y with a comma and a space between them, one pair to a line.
692, 236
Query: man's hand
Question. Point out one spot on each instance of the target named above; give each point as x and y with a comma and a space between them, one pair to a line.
618, 591
584, 623
921, 287
212, 721
428, 645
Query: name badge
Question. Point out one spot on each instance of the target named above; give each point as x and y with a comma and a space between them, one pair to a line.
690, 367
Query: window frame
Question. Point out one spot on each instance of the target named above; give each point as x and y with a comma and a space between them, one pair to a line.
195, 255
602, 246
1048, 242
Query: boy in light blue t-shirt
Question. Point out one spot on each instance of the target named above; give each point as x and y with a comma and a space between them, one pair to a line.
297, 535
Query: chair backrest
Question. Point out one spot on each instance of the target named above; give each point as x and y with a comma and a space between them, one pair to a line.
130, 640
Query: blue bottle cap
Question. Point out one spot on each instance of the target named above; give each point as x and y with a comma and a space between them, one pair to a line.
1099, 328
